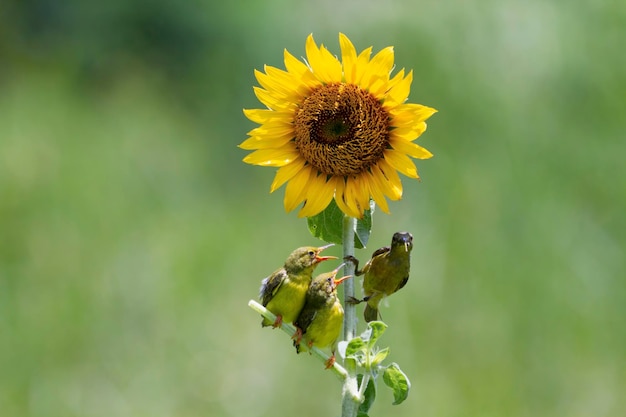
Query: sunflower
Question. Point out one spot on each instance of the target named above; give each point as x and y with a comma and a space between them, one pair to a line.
337, 129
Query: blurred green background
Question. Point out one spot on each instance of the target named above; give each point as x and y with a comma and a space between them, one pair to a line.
132, 236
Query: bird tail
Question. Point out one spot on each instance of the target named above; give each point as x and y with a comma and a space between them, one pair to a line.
370, 313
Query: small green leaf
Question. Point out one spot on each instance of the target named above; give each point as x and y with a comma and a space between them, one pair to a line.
364, 227
328, 226
395, 379
368, 396
380, 356
375, 329
355, 346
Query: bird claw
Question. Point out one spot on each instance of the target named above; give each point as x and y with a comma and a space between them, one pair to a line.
297, 336
354, 301
278, 322
330, 362
352, 259
355, 262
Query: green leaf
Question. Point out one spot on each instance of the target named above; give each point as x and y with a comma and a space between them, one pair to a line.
380, 356
355, 346
374, 330
364, 227
328, 226
369, 396
395, 379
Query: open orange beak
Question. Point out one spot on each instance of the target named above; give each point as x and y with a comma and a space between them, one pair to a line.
342, 279
319, 258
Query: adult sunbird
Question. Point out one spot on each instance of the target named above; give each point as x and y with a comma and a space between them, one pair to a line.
385, 273
284, 291
320, 321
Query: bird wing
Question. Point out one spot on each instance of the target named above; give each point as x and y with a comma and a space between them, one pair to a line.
380, 251
402, 283
377, 254
305, 318
271, 284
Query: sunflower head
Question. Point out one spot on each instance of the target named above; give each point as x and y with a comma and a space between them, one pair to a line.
337, 129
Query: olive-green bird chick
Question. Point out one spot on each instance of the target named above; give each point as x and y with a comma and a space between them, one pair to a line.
284, 291
385, 273
320, 321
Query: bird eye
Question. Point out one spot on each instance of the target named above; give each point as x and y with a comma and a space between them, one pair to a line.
311, 253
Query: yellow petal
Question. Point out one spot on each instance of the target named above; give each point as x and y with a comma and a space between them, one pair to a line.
319, 194
362, 192
265, 142
348, 58
279, 84
353, 198
410, 113
392, 179
286, 173
294, 65
295, 87
384, 185
382, 62
342, 199
380, 182
408, 133
264, 115
400, 91
411, 149
401, 163
323, 64
361, 64
396, 78
333, 71
267, 83
273, 128
376, 193
295, 192
312, 51
271, 101
378, 67
300, 72
379, 87
272, 157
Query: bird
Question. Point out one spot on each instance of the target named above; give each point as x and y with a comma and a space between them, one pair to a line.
385, 273
283, 292
319, 323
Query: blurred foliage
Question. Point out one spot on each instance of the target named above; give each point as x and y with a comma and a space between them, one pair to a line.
132, 235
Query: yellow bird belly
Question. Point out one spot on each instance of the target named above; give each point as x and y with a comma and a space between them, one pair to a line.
325, 328
289, 300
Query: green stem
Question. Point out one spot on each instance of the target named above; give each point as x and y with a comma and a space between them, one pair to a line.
290, 330
351, 393
349, 319
364, 382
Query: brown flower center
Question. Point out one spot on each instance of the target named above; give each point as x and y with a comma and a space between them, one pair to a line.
341, 129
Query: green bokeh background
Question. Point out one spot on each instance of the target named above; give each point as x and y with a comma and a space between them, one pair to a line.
132, 236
